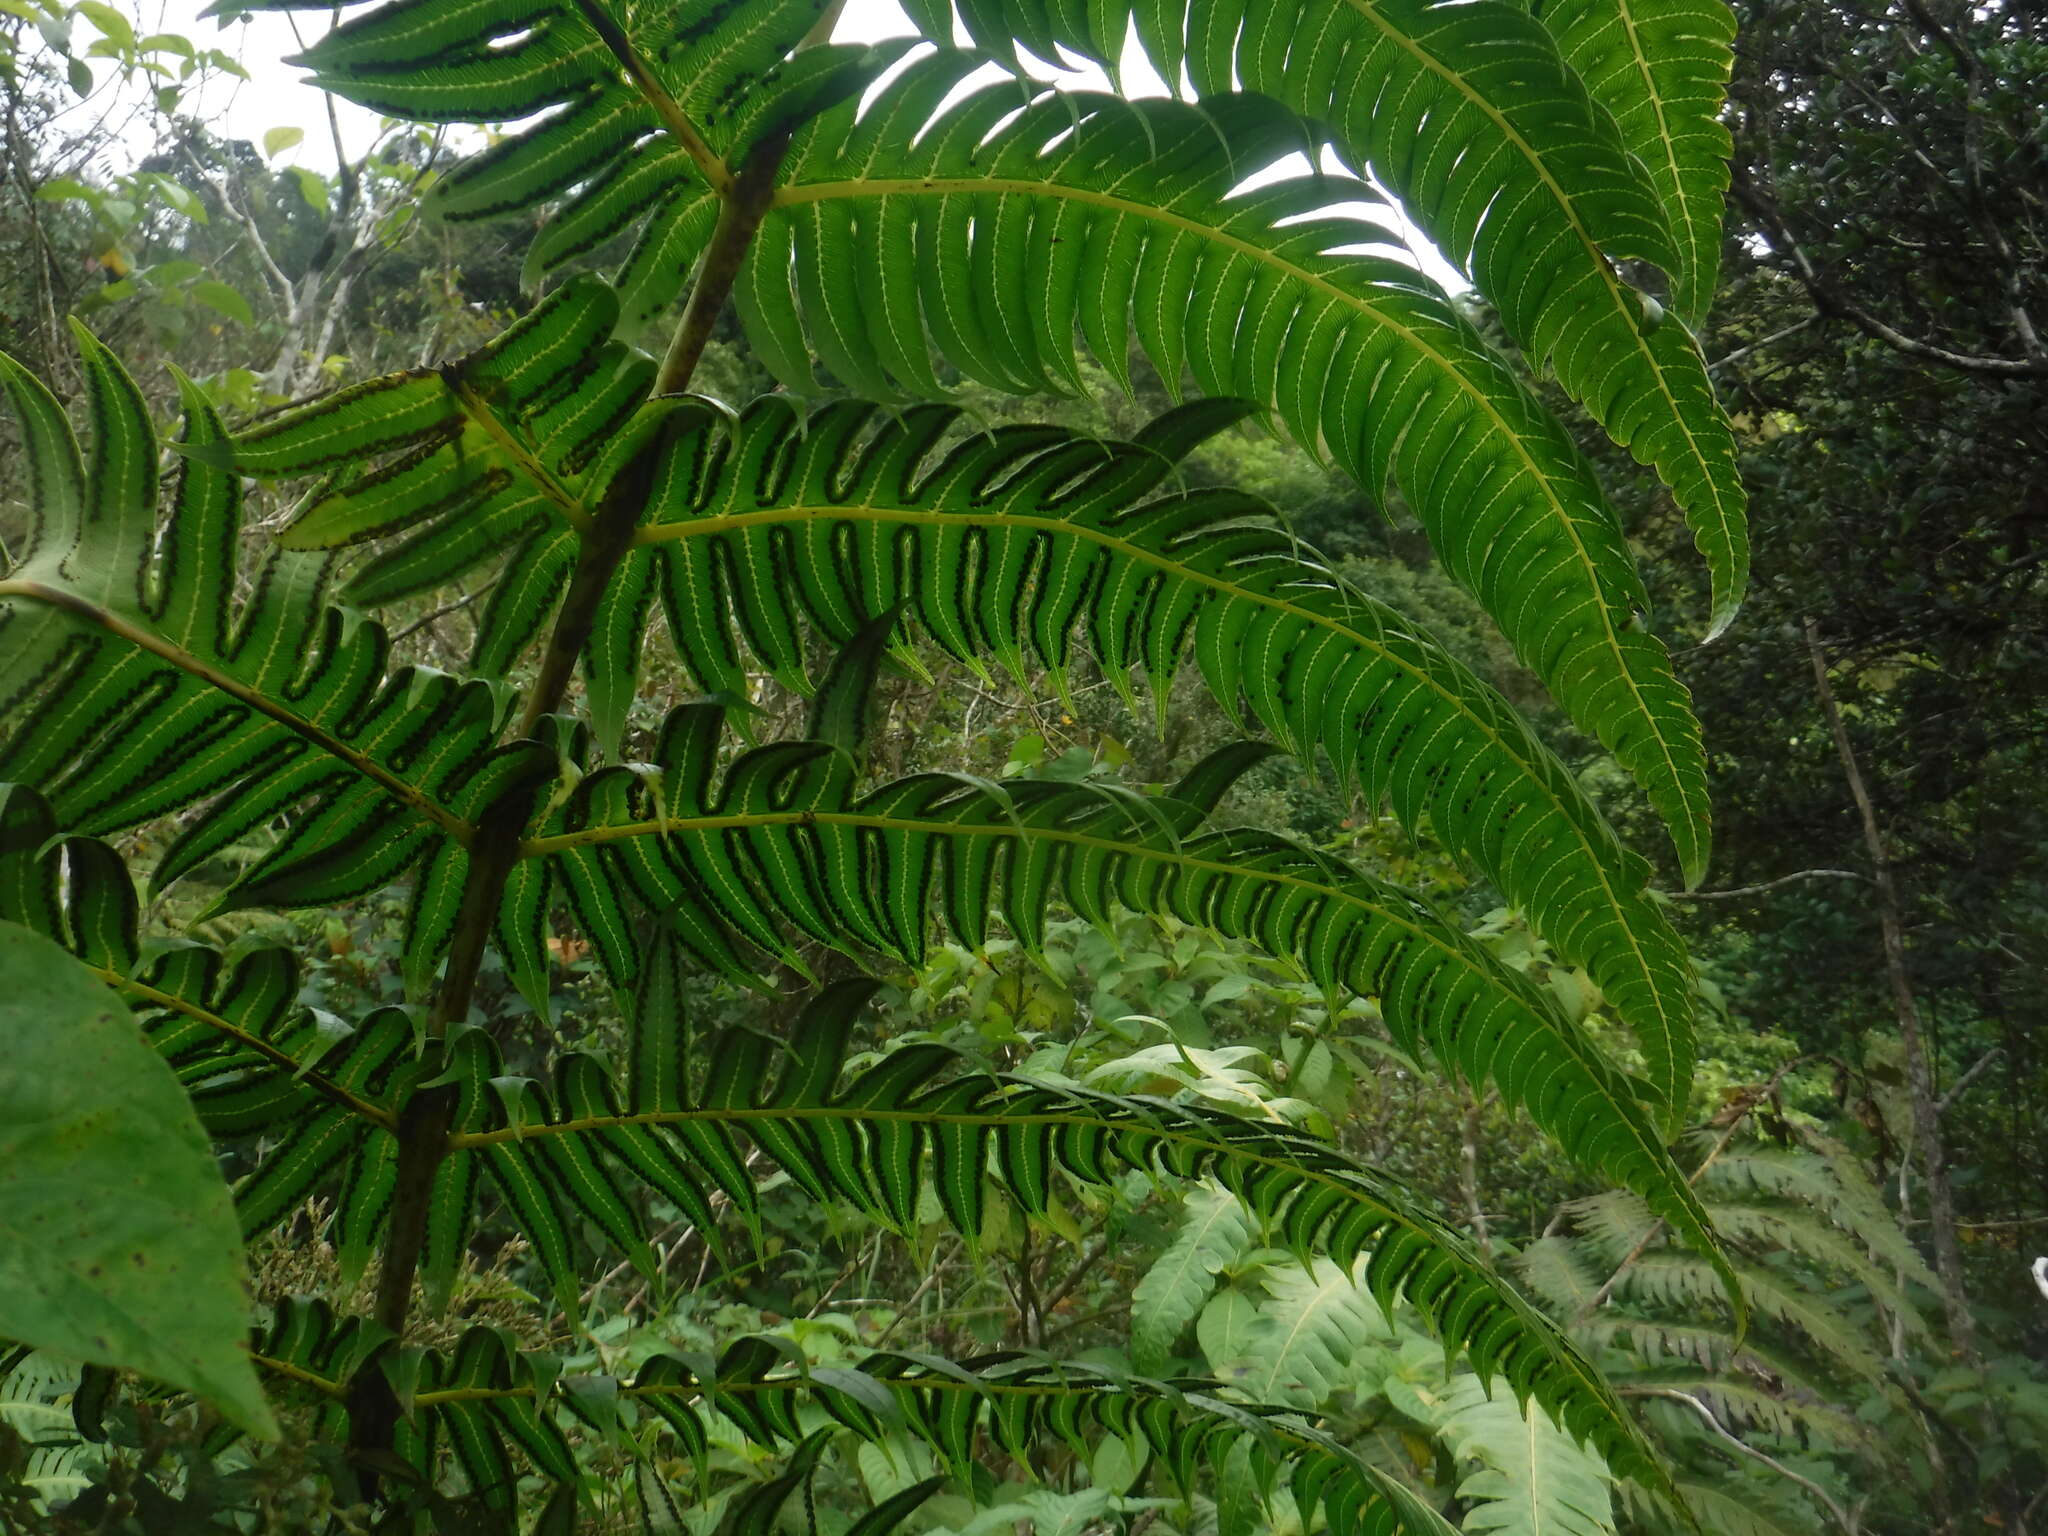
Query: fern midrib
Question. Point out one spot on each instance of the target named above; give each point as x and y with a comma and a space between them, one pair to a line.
479, 410
184, 661
1137, 554
810, 192
539, 847
1625, 9
318, 1081
666, 107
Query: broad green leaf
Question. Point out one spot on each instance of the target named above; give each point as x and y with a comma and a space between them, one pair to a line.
1213, 1232
277, 140
1525, 1478
117, 1240
226, 300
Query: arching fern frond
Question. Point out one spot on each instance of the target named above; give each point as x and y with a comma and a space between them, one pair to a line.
570, 1153
1000, 238
1467, 111
1826, 1179
785, 841
1003, 545
1667, 1279
495, 1408
136, 680
1661, 67
1523, 1478
621, 109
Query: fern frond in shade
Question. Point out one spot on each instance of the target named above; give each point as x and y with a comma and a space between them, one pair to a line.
569, 1156
784, 842
144, 672
1007, 545
497, 1409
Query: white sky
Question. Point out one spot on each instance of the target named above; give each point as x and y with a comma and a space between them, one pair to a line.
276, 96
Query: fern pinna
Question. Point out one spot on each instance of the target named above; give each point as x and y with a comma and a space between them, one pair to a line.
881, 214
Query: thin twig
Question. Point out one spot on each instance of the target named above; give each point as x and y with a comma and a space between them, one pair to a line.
1736, 893
1956, 1089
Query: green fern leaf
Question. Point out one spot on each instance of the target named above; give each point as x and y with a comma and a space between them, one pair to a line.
1110, 217
853, 512
495, 1408
1661, 67
786, 841
1466, 110
133, 684
1670, 1279
1313, 1336
873, 1140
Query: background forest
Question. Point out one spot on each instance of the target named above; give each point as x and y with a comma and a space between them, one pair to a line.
1867, 1120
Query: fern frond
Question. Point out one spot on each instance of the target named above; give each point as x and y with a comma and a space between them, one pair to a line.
786, 841
494, 1409
1310, 1338
1554, 1270
1001, 238
1670, 1279
1737, 1508
1661, 67
1790, 1229
1830, 1182
621, 108
1527, 1479
875, 1138
1466, 110
1737, 1402
134, 682
851, 512
1611, 1224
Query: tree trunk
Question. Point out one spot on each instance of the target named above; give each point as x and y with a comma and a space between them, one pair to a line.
1941, 1209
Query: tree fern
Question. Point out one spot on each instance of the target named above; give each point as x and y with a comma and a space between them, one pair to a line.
851, 512
953, 227
156, 676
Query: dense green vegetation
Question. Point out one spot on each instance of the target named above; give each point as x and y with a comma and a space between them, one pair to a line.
821, 791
